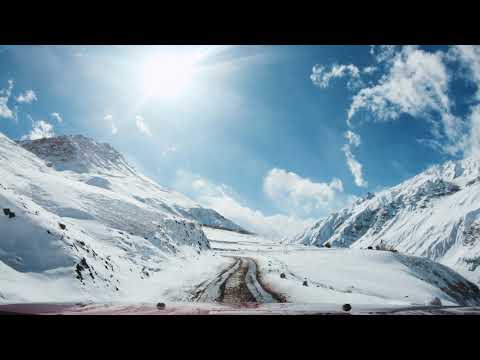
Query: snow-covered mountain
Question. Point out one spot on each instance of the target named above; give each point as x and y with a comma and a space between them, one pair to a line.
435, 214
72, 208
100, 165
78, 223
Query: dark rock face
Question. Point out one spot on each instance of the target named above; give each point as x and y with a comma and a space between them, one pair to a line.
62, 226
9, 213
83, 262
78, 270
81, 266
346, 307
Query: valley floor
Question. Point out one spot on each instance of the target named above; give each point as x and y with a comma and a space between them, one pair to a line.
245, 274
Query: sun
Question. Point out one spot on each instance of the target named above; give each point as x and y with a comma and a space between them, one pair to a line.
167, 75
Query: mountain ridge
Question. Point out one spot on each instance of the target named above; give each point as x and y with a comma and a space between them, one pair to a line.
79, 155
435, 214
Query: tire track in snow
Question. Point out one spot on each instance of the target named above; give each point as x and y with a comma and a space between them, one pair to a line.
210, 291
236, 285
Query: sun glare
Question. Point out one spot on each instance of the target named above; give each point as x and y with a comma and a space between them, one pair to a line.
167, 76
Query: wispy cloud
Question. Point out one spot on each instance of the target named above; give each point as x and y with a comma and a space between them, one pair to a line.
353, 164
26, 97
383, 53
369, 70
5, 94
473, 142
413, 82
109, 119
321, 76
353, 139
57, 117
142, 126
41, 129
469, 57
355, 167
416, 84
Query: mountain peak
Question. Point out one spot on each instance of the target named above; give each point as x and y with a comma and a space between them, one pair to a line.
100, 165
78, 153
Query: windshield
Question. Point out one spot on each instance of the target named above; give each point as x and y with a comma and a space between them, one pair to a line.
239, 179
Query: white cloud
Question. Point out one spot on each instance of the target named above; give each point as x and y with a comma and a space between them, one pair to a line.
27, 97
416, 83
383, 53
301, 195
369, 69
142, 126
353, 139
109, 118
5, 94
354, 166
352, 163
469, 57
321, 77
223, 200
41, 129
57, 117
473, 145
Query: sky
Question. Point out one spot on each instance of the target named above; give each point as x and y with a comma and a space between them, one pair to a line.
272, 137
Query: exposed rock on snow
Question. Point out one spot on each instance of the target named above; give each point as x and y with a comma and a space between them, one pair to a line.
79, 154
434, 302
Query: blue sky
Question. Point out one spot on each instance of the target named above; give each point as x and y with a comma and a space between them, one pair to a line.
261, 133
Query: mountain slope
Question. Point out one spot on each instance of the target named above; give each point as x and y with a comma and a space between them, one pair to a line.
96, 164
435, 214
78, 216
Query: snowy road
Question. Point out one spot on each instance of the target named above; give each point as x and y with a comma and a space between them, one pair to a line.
266, 272
236, 284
